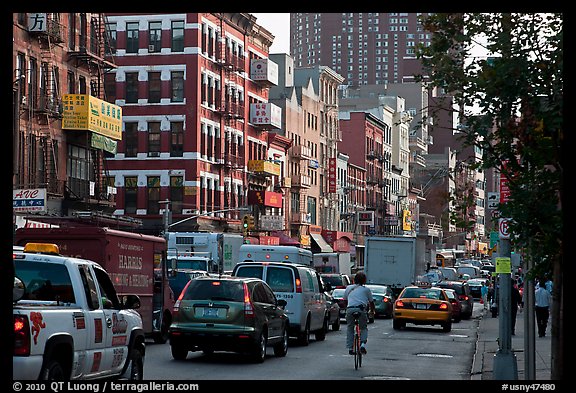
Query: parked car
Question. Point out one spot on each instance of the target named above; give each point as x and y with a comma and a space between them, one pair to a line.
383, 300
301, 287
476, 287
229, 314
332, 312
456, 307
422, 305
335, 280
463, 291
338, 295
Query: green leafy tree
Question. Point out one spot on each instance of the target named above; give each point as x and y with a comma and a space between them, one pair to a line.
511, 106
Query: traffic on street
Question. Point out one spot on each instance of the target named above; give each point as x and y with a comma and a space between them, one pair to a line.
412, 353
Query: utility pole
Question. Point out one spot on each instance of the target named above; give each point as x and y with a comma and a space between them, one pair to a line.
505, 365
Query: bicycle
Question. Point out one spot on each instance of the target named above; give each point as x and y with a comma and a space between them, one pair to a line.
357, 343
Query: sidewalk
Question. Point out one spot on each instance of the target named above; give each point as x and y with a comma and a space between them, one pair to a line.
487, 347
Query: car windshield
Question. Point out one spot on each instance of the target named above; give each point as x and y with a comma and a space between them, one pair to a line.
225, 290
427, 293
45, 281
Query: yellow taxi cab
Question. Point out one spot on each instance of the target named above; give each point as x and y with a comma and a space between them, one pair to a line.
422, 305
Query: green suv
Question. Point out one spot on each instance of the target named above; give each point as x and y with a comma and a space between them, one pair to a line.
231, 314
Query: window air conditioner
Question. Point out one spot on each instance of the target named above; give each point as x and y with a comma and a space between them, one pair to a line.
150, 48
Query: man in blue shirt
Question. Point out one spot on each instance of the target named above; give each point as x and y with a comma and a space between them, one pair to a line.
358, 298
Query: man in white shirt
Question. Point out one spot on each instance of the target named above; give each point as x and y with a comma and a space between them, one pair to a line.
542, 302
358, 298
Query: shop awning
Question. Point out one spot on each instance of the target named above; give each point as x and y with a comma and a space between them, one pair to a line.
324, 247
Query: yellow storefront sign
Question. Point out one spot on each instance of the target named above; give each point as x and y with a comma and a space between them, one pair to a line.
84, 112
261, 166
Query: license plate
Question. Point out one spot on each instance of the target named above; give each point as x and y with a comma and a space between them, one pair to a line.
210, 312
421, 306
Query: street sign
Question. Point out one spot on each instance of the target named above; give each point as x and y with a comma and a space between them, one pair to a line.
493, 200
504, 228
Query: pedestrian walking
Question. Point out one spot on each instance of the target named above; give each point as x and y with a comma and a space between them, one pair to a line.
484, 295
542, 302
516, 300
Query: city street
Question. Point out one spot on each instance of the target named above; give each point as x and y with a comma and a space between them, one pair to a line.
410, 354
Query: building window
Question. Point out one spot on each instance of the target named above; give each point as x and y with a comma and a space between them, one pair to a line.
155, 36
131, 87
132, 42
130, 194
131, 140
177, 36
72, 31
177, 86
78, 170
110, 43
153, 194
154, 84
81, 84
110, 87
71, 82
154, 138
176, 139
176, 193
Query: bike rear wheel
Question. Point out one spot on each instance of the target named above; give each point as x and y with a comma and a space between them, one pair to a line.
357, 352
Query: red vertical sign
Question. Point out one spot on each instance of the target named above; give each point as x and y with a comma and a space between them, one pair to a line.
504, 189
332, 175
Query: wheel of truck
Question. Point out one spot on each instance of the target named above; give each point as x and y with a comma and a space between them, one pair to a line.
320, 334
178, 352
336, 324
136, 366
304, 337
52, 371
162, 336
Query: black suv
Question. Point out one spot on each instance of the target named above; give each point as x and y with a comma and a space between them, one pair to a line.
234, 314
462, 290
336, 280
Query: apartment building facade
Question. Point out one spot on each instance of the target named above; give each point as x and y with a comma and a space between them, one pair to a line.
365, 48
197, 122
58, 167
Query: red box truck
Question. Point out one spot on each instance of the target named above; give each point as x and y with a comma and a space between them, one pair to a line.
134, 262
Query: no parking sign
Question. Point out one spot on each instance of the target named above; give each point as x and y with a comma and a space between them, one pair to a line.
504, 228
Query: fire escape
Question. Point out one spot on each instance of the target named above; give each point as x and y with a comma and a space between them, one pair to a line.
230, 106
47, 108
301, 181
90, 57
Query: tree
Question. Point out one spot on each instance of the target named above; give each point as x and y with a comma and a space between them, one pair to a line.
511, 106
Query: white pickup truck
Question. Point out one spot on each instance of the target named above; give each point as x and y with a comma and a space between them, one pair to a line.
68, 321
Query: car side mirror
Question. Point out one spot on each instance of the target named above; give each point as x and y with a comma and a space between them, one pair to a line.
18, 290
132, 302
282, 303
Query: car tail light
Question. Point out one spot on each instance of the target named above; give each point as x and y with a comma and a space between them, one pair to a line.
399, 304
444, 306
385, 300
176, 307
248, 309
21, 336
463, 297
298, 286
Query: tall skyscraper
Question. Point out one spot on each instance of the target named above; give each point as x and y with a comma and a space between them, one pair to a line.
366, 48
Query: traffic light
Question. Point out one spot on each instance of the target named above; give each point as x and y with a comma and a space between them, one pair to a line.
245, 224
251, 225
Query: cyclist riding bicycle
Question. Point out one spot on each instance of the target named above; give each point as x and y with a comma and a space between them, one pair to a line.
358, 298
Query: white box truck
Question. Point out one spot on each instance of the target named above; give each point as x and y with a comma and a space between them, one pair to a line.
332, 262
390, 261
219, 250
